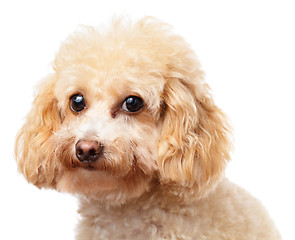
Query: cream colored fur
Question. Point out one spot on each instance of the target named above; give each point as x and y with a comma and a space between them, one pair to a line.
160, 174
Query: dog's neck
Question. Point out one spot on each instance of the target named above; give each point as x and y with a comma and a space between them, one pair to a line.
156, 198
154, 209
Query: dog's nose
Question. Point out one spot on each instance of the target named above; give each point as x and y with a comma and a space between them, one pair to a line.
88, 151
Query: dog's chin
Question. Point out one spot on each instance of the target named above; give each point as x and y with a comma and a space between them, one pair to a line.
90, 182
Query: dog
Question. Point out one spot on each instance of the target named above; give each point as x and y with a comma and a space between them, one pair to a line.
127, 123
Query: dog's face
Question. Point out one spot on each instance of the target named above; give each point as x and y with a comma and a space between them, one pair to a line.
110, 126
122, 110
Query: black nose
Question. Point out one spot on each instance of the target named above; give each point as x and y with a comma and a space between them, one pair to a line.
88, 151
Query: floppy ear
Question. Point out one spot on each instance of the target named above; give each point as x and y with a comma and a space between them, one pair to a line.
33, 147
194, 144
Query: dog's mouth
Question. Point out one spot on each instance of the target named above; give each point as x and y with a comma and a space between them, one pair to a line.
115, 160
91, 166
107, 165
87, 166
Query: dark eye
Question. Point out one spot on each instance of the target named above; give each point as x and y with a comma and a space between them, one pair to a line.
132, 104
77, 103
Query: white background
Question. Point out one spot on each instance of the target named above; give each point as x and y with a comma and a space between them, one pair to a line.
247, 49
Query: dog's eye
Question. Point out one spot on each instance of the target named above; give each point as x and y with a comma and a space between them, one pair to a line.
77, 103
132, 104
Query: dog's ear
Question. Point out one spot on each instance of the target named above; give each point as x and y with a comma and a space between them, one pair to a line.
195, 137
33, 147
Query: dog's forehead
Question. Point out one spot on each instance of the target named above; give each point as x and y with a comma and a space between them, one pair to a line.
111, 84
103, 80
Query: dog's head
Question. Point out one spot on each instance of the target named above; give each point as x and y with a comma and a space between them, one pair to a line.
124, 109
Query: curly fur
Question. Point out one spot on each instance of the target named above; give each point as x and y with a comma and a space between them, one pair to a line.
161, 172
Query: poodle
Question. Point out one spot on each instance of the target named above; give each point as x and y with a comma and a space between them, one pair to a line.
126, 123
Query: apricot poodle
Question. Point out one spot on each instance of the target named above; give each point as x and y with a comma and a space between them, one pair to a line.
128, 125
